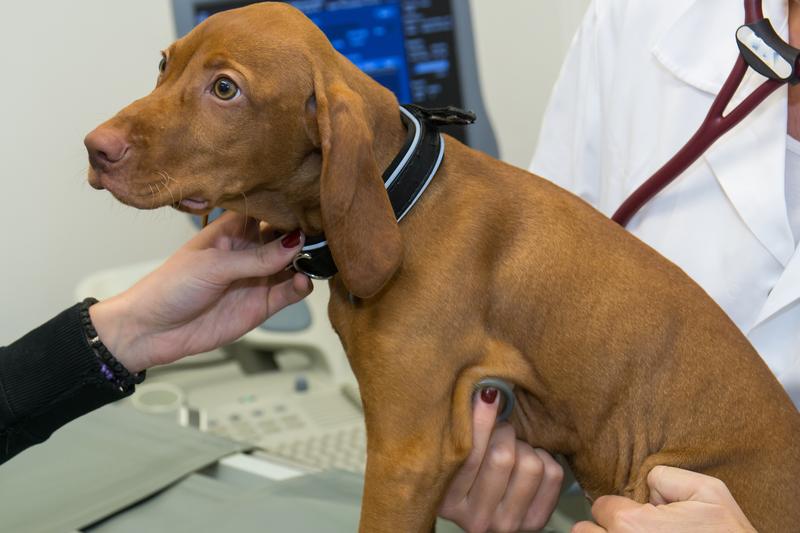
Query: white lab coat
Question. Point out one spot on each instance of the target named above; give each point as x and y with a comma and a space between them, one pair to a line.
639, 79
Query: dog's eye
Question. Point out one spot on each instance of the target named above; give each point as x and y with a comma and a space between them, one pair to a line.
225, 89
162, 65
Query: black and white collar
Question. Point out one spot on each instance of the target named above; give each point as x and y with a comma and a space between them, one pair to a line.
407, 177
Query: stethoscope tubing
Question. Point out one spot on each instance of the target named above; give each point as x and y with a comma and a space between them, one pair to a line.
715, 125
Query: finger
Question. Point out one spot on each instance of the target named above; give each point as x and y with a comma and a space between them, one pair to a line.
490, 484
669, 484
258, 262
228, 223
231, 231
608, 510
267, 233
587, 527
247, 235
546, 499
523, 485
483, 417
288, 292
262, 235
280, 277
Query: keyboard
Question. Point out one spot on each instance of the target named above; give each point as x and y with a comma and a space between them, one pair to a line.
323, 431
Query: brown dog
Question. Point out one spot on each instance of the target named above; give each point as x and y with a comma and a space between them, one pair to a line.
620, 361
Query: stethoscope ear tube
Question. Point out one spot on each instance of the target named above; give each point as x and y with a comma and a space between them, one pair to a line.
760, 48
715, 125
506, 390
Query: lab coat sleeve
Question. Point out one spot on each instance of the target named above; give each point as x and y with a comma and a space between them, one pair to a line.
48, 378
569, 148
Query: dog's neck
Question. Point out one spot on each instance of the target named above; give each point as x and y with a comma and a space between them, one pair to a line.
390, 136
405, 177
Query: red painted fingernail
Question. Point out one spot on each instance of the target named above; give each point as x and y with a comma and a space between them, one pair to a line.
489, 395
290, 240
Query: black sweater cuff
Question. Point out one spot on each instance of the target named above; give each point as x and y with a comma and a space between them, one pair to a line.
48, 378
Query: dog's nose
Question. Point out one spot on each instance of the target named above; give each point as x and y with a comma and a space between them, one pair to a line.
106, 148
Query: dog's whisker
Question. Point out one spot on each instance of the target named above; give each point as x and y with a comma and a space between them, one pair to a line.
167, 178
180, 187
153, 202
162, 178
247, 218
165, 183
166, 186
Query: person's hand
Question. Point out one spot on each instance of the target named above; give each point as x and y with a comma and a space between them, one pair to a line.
218, 286
680, 501
505, 484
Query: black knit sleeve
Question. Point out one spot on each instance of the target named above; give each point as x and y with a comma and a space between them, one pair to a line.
48, 378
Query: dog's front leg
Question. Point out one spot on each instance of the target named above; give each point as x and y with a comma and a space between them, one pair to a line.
416, 440
397, 499
407, 472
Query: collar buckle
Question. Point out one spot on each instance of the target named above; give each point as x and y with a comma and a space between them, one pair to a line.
445, 116
298, 267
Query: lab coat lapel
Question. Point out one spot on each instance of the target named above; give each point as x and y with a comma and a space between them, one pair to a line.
750, 165
749, 161
701, 55
700, 48
785, 292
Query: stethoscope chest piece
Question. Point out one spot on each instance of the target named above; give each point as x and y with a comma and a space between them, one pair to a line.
506, 391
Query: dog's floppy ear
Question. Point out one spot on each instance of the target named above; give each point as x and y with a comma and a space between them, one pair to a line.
357, 217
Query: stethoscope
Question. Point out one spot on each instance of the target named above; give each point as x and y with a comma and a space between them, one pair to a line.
760, 48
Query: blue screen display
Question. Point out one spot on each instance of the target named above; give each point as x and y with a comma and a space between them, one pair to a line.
408, 46
372, 38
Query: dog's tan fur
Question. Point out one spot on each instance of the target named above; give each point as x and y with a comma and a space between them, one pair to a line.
620, 361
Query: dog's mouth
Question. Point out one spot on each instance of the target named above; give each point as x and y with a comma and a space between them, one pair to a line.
155, 197
194, 205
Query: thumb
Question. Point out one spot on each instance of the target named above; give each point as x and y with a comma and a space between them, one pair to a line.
669, 485
608, 509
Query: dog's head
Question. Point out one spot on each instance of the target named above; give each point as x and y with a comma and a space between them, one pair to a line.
254, 111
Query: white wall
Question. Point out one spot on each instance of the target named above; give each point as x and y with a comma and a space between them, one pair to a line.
67, 66
520, 45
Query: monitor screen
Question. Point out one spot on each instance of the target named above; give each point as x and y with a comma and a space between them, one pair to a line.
408, 46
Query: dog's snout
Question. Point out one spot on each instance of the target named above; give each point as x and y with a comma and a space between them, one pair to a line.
106, 148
